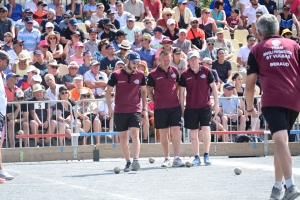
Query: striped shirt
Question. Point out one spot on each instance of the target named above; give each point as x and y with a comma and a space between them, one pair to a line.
31, 40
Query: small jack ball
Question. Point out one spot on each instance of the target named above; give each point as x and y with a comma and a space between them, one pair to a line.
151, 160
117, 170
188, 164
237, 171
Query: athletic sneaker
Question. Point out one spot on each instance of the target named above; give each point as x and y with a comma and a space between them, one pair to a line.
6, 175
206, 160
167, 163
196, 161
291, 193
128, 167
135, 165
276, 193
178, 163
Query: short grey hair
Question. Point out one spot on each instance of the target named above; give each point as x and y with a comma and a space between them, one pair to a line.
206, 59
267, 25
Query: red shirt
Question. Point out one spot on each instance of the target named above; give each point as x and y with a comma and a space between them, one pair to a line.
294, 6
232, 22
39, 17
276, 61
150, 106
127, 99
197, 87
163, 23
165, 87
10, 93
191, 34
154, 8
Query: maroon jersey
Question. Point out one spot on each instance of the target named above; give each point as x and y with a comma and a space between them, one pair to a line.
165, 87
127, 99
197, 87
276, 61
233, 22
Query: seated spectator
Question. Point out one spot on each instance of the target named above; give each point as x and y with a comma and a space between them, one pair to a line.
166, 15
182, 43
108, 32
148, 23
210, 51
96, 80
88, 110
76, 8
78, 83
230, 111
66, 34
52, 69
143, 67
234, 21
137, 41
286, 19
55, 5
78, 54
243, 5
20, 24
31, 36
171, 31
24, 83
108, 63
55, 48
53, 88
196, 35
40, 115
96, 16
177, 61
136, 8
110, 15
39, 62
40, 13
51, 16
119, 65
36, 79
242, 57
32, 4
110, 5
92, 43
218, 14
69, 49
8, 23
20, 67
158, 36
18, 47
239, 90
60, 10
225, 44
153, 8
43, 47
73, 72
66, 18
146, 52
49, 28
8, 40
87, 58
286, 33
130, 28
101, 53
151, 120
270, 5
166, 46
14, 10
11, 88
207, 24
17, 116
253, 26
168, 4
121, 15
119, 37
182, 14
124, 50
207, 62
191, 5
227, 6
222, 66
90, 9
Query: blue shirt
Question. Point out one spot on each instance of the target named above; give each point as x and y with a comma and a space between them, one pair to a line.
271, 6
191, 5
16, 12
82, 69
31, 40
147, 55
98, 56
108, 64
117, 48
89, 7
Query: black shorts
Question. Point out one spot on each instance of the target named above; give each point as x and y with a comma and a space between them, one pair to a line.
165, 118
231, 122
124, 121
194, 118
1, 124
105, 123
279, 118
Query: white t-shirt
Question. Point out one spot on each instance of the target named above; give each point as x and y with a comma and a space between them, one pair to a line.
103, 107
245, 2
3, 98
122, 19
155, 43
244, 53
91, 77
250, 12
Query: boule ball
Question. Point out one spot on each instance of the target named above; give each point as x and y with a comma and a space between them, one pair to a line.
237, 171
117, 170
151, 160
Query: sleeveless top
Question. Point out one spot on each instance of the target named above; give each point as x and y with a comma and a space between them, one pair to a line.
21, 72
286, 23
76, 11
59, 60
217, 17
207, 28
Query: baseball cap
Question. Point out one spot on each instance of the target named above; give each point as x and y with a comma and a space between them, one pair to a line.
182, 31
182, 1
100, 4
4, 55
109, 46
176, 50
52, 10
107, 21
78, 77
228, 85
120, 62
28, 10
37, 87
4, 8
134, 57
79, 44
120, 33
119, 3
93, 30
193, 54
28, 19
73, 64
37, 78
19, 93
11, 75
38, 52
166, 39
49, 24
236, 11
69, 13
84, 91
94, 62
86, 52
73, 22
76, 33
170, 21
33, 68
130, 18
158, 29
62, 88
109, 11
42, 3
147, 36
259, 13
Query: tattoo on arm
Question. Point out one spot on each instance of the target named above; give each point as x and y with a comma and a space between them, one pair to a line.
150, 93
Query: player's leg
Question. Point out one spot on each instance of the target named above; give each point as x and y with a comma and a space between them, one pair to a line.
25, 128
205, 121
134, 122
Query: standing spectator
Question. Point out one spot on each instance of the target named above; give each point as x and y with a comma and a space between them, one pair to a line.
78, 83
295, 6
108, 32
8, 39
97, 16
234, 21
76, 9
177, 61
136, 8
146, 52
121, 15
166, 15
53, 88
172, 31
92, 43
207, 24
218, 14
227, 6
87, 58
51, 15
39, 62
210, 51
22, 65
73, 72
55, 48
52, 69
191, 5
148, 23
96, 80
11, 88
20, 24
158, 36
77, 57
101, 53
60, 10
184, 44
137, 41
222, 66
196, 35
270, 5
153, 8
119, 37
161, 85
130, 28
110, 5
32, 5
6, 24
14, 10
40, 13
242, 57
66, 18
68, 32
220, 42
90, 8
124, 50
24, 83
182, 14
287, 20
31, 36
109, 62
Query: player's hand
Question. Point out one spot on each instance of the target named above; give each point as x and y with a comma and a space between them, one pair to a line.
216, 109
144, 114
252, 113
110, 113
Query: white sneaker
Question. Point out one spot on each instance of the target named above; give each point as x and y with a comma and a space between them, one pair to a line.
178, 163
6, 175
167, 163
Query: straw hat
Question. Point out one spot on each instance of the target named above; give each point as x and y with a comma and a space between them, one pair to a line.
55, 34
167, 10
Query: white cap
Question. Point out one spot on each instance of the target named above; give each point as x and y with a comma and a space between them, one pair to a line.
52, 10
37, 78
73, 64
192, 54
170, 21
182, 30
49, 24
32, 68
119, 62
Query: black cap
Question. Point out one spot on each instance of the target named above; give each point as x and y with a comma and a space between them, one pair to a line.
62, 88
69, 12
28, 10
109, 11
236, 11
286, 6
93, 30
119, 3
76, 33
259, 13
42, 3
120, 33
28, 19
106, 21
177, 50
18, 42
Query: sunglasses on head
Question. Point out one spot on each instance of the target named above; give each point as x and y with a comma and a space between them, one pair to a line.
63, 93
86, 95
20, 98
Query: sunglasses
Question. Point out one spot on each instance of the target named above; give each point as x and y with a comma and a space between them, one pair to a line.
73, 68
2, 11
166, 42
86, 96
169, 15
207, 13
286, 9
63, 93
184, 4
52, 38
54, 67
20, 99
44, 46
210, 44
194, 22
67, 17
49, 27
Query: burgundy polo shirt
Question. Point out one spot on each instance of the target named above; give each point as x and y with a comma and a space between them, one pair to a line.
276, 61
127, 98
197, 87
165, 87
